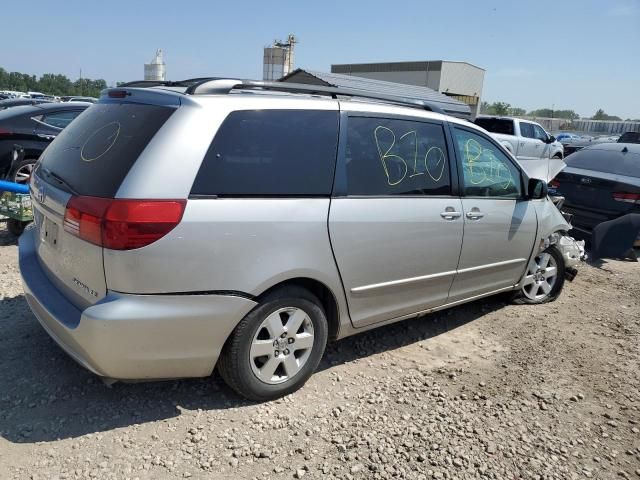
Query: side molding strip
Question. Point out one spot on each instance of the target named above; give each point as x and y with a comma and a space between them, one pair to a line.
423, 278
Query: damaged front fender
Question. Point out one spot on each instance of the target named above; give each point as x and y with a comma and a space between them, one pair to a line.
552, 230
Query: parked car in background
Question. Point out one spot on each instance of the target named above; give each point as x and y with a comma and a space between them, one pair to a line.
566, 137
68, 98
32, 127
295, 219
606, 138
600, 183
538, 152
575, 144
629, 137
16, 102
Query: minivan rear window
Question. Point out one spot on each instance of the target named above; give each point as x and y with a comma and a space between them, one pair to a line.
271, 153
96, 151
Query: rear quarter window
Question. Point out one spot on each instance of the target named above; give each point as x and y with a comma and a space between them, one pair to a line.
95, 153
271, 153
496, 125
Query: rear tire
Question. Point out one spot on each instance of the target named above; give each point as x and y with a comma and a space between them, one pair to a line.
544, 279
277, 346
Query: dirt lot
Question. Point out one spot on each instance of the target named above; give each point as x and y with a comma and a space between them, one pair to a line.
487, 390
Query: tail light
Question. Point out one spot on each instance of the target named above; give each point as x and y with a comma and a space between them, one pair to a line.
554, 183
627, 197
121, 224
5, 133
118, 94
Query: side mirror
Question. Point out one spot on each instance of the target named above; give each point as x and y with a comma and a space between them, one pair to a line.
537, 189
551, 139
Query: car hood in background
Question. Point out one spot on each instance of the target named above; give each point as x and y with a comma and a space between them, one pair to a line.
543, 168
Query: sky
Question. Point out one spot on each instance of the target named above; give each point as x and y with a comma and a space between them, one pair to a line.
566, 54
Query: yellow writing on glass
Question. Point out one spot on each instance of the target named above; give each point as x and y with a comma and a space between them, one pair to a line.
434, 160
100, 142
483, 166
384, 147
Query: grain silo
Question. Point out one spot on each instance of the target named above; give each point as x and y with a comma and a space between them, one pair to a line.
278, 59
156, 70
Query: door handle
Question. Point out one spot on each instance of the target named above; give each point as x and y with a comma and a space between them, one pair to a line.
474, 214
450, 214
46, 137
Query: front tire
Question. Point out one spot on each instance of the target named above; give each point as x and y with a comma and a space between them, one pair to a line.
277, 346
544, 279
21, 171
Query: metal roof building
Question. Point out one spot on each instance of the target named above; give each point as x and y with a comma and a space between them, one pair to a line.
460, 80
448, 104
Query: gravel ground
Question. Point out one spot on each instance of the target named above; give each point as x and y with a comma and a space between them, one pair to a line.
486, 390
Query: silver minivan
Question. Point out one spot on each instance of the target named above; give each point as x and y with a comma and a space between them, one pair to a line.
242, 225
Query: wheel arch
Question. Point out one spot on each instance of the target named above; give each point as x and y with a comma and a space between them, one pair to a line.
321, 291
507, 145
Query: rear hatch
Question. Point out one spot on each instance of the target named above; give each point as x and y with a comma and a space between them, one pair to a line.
85, 166
600, 183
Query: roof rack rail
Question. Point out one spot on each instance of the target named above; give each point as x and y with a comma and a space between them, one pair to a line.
166, 83
225, 86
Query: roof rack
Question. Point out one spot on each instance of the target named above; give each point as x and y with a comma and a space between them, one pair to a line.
225, 86
166, 83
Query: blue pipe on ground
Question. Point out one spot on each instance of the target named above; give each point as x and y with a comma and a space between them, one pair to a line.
13, 187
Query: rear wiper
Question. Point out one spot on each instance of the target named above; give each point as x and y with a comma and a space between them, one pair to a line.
58, 179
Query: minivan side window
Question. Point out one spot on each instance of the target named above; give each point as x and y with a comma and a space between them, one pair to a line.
526, 130
271, 153
387, 156
486, 170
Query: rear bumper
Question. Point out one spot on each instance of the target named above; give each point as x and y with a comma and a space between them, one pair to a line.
133, 337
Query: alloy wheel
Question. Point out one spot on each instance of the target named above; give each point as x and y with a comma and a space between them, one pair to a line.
282, 345
541, 277
23, 174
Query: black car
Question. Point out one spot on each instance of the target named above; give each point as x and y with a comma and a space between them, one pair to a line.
600, 183
17, 102
629, 137
32, 128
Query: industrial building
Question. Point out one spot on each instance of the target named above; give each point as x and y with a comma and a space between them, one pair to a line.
459, 80
449, 104
156, 70
278, 59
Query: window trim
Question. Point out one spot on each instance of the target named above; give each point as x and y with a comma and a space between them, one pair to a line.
341, 182
458, 162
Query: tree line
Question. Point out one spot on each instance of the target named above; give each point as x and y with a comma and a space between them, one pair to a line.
503, 108
51, 84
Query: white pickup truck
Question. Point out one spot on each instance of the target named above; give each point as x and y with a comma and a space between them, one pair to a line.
538, 152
